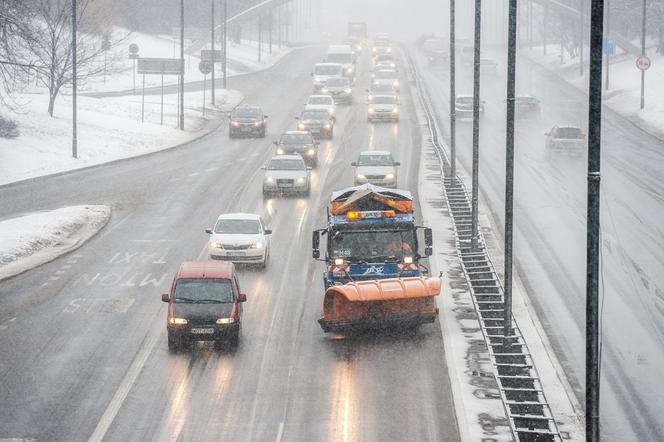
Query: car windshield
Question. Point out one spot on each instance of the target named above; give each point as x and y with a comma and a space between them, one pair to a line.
296, 139
381, 43
372, 245
375, 160
314, 115
321, 100
464, 100
340, 58
382, 88
246, 112
203, 291
383, 99
342, 81
386, 74
327, 70
286, 164
569, 133
238, 226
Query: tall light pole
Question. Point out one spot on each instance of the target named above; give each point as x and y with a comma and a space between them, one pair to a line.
74, 137
643, 53
224, 40
452, 89
593, 361
181, 64
581, 37
476, 126
509, 171
212, 47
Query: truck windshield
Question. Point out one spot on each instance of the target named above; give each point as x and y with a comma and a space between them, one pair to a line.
340, 58
372, 245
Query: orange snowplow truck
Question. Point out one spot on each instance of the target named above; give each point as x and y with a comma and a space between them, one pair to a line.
374, 278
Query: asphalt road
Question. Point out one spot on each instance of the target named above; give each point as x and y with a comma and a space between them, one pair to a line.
550, 235
83, 339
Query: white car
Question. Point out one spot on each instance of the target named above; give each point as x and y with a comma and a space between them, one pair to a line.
324, 102
383, 108
240, 238
386, 76
286, 174
376, 167
323, 71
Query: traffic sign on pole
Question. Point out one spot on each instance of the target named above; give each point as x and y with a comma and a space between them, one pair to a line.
608, 46
643, 63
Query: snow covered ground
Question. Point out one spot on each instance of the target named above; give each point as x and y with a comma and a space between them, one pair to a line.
624, 93
37, 238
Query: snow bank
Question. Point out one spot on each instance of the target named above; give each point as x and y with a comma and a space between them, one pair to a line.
37, 238
624, 93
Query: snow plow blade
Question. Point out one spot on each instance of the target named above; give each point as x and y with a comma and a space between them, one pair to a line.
380, 303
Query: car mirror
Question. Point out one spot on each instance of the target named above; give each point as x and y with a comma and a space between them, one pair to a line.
208, 231
266, 116
267, 232
242, 298
297, 118
165, 297
276, 143
263, 168
396, 163
546, 134
354, 164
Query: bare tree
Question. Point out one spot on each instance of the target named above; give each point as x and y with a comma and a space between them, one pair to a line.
51, 46
15, 36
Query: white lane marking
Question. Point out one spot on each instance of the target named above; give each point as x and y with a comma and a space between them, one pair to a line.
60, 272
3, 327
173, 180
44, 284
66, 266
125, 386
255, 154
141, 240
194, 174
53, 278
280, 432
242, 159
211, 169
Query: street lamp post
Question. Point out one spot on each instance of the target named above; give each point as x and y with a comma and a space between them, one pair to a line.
452, 89
643, 53
181, 64
212, 47
74, 138
476, 126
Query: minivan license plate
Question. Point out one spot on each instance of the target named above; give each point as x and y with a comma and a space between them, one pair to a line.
202, 331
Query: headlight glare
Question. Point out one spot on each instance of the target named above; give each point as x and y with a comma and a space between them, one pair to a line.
280, 151
225, 321
257, 245
311, 151
216, 245
177, 321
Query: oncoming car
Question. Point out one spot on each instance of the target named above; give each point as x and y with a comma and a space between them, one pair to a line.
323, 71
247, 120
463, 106
569, 138
325, 102
383, 108
381, 89
286, 174
240, 238
299, 142
318, 122
376, 167
204, 304
340, 89
386, 76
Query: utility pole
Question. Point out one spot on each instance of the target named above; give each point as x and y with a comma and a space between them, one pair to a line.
260, 35
224, 40
476, 126
581, 38
593, 361
212, 47
452, 89
608, 52
181, 64
509, 172
74, 138
643, 54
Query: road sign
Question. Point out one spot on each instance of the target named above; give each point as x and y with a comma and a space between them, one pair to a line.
608, 46
643, 63
206, 55
205, 67
133, 48
165, 66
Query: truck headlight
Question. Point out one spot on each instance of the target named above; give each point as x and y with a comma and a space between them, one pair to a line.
338, 262
177, 321
225, 321
407, 259
216, 245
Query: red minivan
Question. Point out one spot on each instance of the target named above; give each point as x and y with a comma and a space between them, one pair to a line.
205, 304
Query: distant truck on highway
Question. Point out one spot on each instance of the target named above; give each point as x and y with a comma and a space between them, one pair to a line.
373, 275
357, 29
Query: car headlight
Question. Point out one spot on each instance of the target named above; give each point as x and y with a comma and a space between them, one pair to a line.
359, 176
269, 179
311, 152
235, 123
216, 245
301, 126
177, 321
389, 176
324, 90
327, 126
258, 123
280, 151
257, 245
349, 70
396, 83
225, 321
374, 50
389, 49
371, 110
395, 110
348, 91
301, 180
318, 80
